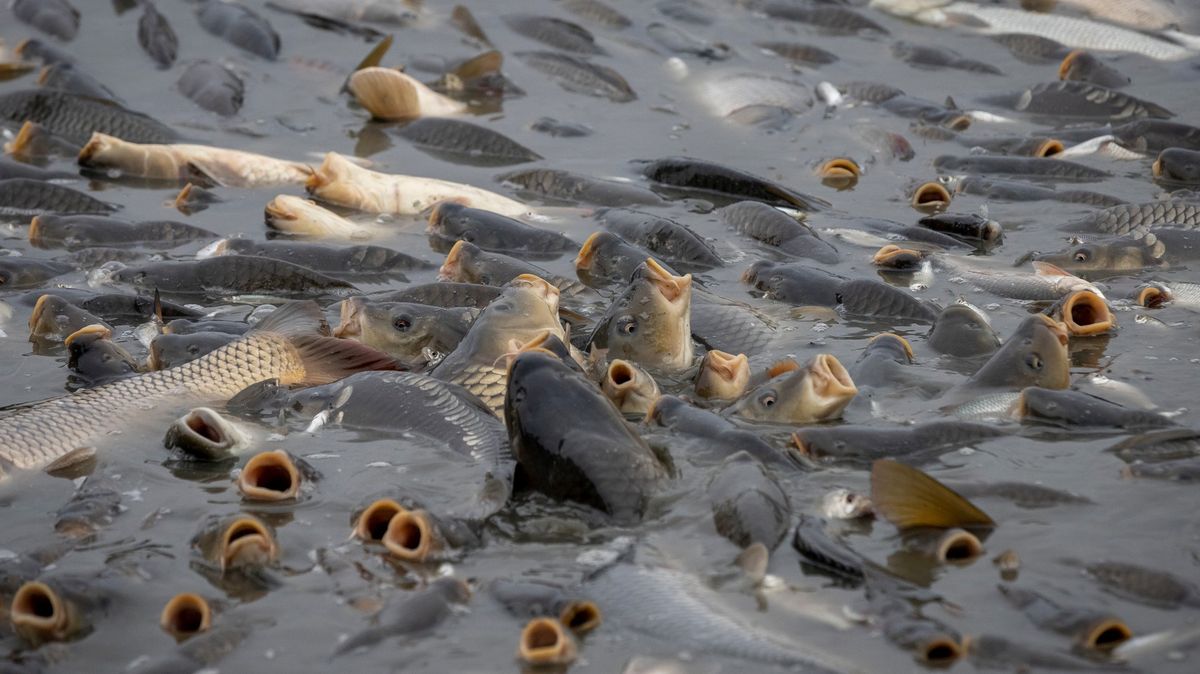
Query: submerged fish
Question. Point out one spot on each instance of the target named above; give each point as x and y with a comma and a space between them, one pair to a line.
213, 87
415, 614
579, 76
75, 118
1129, 217
54, 17
450, 222
1033, 167
230, 275
1071, 99
240, 27
156, 36
864, 444
74, 232
748, 504
572, 188
464, 142
672, 241
557, 33
775, 228
25, 197
802, 285
712, 178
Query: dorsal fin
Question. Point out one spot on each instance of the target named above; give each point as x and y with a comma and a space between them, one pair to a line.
908, 498
295, 318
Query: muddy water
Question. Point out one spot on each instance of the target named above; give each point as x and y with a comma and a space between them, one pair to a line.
325, 582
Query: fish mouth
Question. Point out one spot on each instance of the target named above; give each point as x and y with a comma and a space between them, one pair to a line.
580, 616
452, 268
673, 288
185, 615
621, 375
277, 210
831, 383
544, 642
1060, 331
1105, 634
587, 252
1068, 62
895, 257
94, 329
958, 123
893, 337
1151, 296
39, 314
1156, 169
351, 316
374, 520
412, 536
548, 292
247, 542
208, 426
270, 476
840, 167
1048, 148
727, 366
38, 611
930, 196
958, 546
940, 650
1084, 313
802, 449
96, 145
35, 231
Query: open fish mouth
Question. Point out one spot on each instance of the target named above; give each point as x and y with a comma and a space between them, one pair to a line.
185, 615
727, 366
840, 167
1085, 313
831, 384
621, 375
1152, 296
451, 269
247, 542
895, 257
37, 609
548, 292
587, 253
1105, 634
1048, 148
1060, 331
930, 196
351, 317
277, 210
672, 287
270, 476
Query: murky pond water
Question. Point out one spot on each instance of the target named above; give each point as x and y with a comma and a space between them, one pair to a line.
326, 585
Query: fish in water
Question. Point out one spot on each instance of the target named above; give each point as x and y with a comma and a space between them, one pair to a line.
213, 87
450, 222
369, 263
25, 197
804, 54
53, 17
926, 56
239, 27
171, 350
181, 163
68, 77
777, 229
1080, 100
861, 444
74, 232
1034, 355
411, 615
1082, 66
468, 263
1177, 166
748, 504
408, 331
1126, 218
802, 285
304, 218
722, 376
817, 391
552, 185
580, 76
630, 388
649, 323
465, 143
391, 95
557, 33
1029, 167
156, 36
75, 118
94, 359
286, 346
963, 331
711, 178
232, 275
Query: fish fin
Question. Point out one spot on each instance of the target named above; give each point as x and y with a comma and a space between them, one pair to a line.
1047, 269
295, 319
909, 498
328, 359
61, 467
372, 59
487, 63
21, 144
462, 19
782, 367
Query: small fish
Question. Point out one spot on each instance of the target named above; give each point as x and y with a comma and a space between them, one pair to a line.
465, 143
239, 27
468, 263
415, 614
1022, 494
94, 359
23, 272
1047, 282
213, 87
682, 42
231, 274
450, 222
1145, 585
178, 162
1074, 409
579, 76
801, 53
1031, 167
924, 56
831, 557
843, 504
53, 17
748, 504
709, 437
801, 285
557, 129
1032, 48
970, 227
832, 19
1153, 135
649, 322
557, 33
391, 95
366, 262
775, 228
156, 36
24, 197
859, 444
909, 498
630, 388
1082, 100
1159, 446
340, 181
730, 183
818, 391
1177, 166
575, 188
1034, 355
74, 232
598, 12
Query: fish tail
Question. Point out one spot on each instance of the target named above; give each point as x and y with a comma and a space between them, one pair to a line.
909, 498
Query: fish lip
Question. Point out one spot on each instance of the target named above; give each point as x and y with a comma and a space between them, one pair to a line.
93, 329
544, 641
268, 467
1096, 317
277, 211
958, 546
1049, 148
451, 269
840, 168
39, 308
35, 231
1058, 329
941, 649
1156, 169
904, 343
832, 382
886, 256
179, 604
570, 614
621, 375
364, 526
411, 536
24, 614
931, 195
351, 316
1094, 637
1151, 296
587, 252
246, 541
547, 290
726, 366
95, 145
674, 289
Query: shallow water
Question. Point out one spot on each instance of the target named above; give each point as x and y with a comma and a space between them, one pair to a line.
293, 110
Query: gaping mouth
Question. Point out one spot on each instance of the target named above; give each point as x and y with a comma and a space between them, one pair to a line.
35, 231
893, 337
840, 168
247, 542
1059, 330
37, 608
1151, 296
957, 545
544, 642
1048, 148
580, 617
621, 374
895, 257
939, 651
186, 614
725, 365
412, 536
270, 476
587, 253
831, 381
548, 292
671, 287
351, 318
1105, 635
452, 268
276, 210
930, 196
94, 329
1084, 313
373, 523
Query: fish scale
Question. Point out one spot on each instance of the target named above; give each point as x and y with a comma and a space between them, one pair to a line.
1129, 217
75, 118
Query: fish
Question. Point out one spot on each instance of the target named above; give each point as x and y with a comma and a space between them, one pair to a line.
23, 272
821, 552
372, 11
630, 388
231, 274
666, 238
53, 17
1177, 166
970, 227
1080, 100
1082, 66
1024, 146
410, 332
748, 504
68, 77
118, 307
25, 197
340, 181
801, 285
1144, 585
172, 350
649, 322
239, 27
680, 41
57, 608
804, 54
526, 308
1129, 217
203, 434
557, 129
305, 218
1075, 409
1070, 31
94, 359
597, 11
283, 346
193, 199
443, 294
40, 50
709, 437
1158, 446
185, 615
352, 262
393, 95
832, 19
1016, 190
579, 76
34, 143
74, 232
156, 36
910, 498
1034, 355
1083, 313
1032, 48
1022, 494
179, 162
1047, 282
818, 391
554, 32
411, 614
862, 444
552, 185
90, 509
468, 263
11, 169
450, 222
465, 143
606, 259
1179, 470
235, 542
711, 178
274, 475
722, 376
1153, 135
926, 56
213, 87
777, 229
753, 98
544, 642
572, 443
53, 318
843, 504
1044, 168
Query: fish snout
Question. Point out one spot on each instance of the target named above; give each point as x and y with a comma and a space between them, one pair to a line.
452, 268
186, 615
672, 287
1085, 313
351, 317
270, 476
832, 381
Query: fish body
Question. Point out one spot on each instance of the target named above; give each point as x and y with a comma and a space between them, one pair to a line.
1029, 167
775, 228
68, 77
1046, 283
361, 261
443, 294
1178, 166
23, 272
748, 504
1082, 66
156, 36
94, 359
1073, 99
179, 162
575, 188
730, 183
1128, 217
1154, 135
25, 197
408, 331
557, 33
239, 27
1146, 585
12, 169
668, 239
74, 232
730, 95
926, 56
580, 76
711, 438
801, 53
53, 17
415, 614
53, 318
213, 87
859, 444
831, 18
231, 274
466, 143
450, 222
801, 285
468, 263
305, 218
75, 118
172, 350
1016, 190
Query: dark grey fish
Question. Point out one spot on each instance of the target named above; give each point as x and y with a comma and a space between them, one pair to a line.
682, 42
68, 77
1153, 135
225, 275
1159, 446
413, 333
74, 232
156, 36
1091, 629
945, 115
90, 508
193, 199
963, 332
191, 326
1141, 584
239, 27
606, 259
465, 143
74, 118
468, 263
779, 230
213, 87
667, 239
800, 285
94, 359
1032, 48
1181, 470
1034, 355
91, 257
870, 92
54, 318
22, 272
596, 11
10, 169
863, 444
557, 129
116, 307
1177, 166
710, 437
686, 11
1081, 100
1014, 190
748, 504
39, 50
575, 188
415, 614
1022, 494
450, 222
1129, 217
1074, 409
712, 178
556, 33
362, 261
1024, 146
989, 651
24, 197
1117, 256
800, 53
817, 549
579, 76
53, 17
171, 350
572, 443
1082, 66
443, 294
1032, 167
971, 227
831, 18
940, 57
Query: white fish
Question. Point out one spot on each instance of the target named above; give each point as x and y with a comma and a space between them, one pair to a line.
230, 168
1073, 32
1104, 146
1140, 14
302, 217
391, 94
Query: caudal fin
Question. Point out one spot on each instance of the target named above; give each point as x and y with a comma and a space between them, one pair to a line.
909, 498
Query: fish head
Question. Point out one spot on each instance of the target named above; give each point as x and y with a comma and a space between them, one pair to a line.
40, 612
664, 412
372, 521
535, 370
245, 541
844, 504
1177, 165
892, 256
1085, 313
650, 321
818, 391
630, 388
205, 434
402, 329
548, 292
893, 345
930, 196
1101, 257
462, 266
52, 315
287, 208
1035, 355
722, 375
270, 476
521, 313
185, 615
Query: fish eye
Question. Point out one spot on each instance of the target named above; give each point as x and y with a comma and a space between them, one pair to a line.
767, 399
401, 324
627, 325
1034, 362
1082, 255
